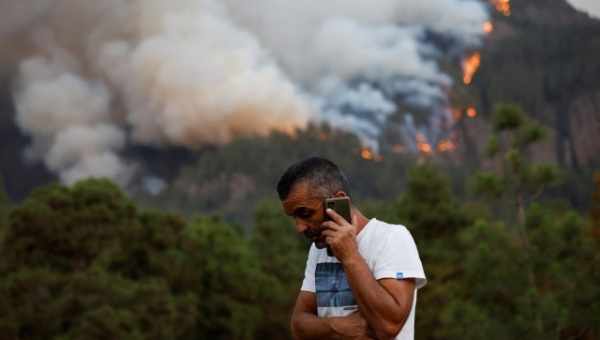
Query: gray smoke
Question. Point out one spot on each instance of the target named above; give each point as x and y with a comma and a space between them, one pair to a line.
359, 57
95, 77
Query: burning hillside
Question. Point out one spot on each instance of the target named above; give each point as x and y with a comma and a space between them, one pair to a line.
502, 6
124, 87
192, 73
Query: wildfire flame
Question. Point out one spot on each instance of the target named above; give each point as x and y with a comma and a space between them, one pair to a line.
471, 112
488, 27
369, 155
422, 145
502, 6
424, 148
446, 145
470, 67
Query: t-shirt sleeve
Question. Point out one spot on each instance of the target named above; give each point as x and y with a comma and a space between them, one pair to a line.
308, 284
399, 257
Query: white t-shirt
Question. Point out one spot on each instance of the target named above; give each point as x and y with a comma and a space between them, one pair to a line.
389, 251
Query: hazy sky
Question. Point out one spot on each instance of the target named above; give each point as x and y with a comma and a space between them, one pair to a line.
590, 6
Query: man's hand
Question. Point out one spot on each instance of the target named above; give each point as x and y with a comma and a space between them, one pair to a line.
340, 235
353, 326
306, 325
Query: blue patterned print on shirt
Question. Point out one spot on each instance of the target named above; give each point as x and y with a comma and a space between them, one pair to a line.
332, 286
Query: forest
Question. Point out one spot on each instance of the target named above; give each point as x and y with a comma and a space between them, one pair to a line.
87, 262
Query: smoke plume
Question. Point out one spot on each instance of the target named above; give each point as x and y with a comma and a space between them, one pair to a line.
95, 77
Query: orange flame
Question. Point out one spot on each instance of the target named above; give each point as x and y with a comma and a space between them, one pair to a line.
488, 27
446, 145
471, 112
367, 154
470, 67
425, 148
422, 145
502, 6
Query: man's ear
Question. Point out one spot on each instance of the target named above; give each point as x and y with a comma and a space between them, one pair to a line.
341, 193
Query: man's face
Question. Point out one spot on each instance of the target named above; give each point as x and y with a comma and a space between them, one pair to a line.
305, 206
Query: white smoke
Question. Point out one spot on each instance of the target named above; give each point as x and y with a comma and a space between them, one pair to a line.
200, 79
83, 151
592, 7
53, 98
101, 75
68, 118
381, 45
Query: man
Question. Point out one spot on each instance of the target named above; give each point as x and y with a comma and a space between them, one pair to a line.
368, 288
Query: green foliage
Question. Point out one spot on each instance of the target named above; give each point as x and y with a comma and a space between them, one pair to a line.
67, 229
532, 288
282, 255
531, 133
84, 263
489, 184
60, 281
93, 305
427, 206
515, 178
492, 147
4, 210
435, 219
497, 280
595, 210
508, 117
229, 279
539, 175
534, 252
487, 285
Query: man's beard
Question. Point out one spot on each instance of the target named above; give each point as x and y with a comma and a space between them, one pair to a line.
315, 236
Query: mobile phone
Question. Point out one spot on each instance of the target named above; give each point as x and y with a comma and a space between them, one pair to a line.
340, 205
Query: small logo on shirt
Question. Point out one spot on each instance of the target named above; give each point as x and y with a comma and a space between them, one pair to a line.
399, 275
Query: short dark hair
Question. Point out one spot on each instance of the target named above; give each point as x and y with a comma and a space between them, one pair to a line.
319, 172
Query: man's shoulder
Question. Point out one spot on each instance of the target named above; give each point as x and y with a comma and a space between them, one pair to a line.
387, 229
393, 236
395, 254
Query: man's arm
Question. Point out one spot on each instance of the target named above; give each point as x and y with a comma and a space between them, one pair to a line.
386, 303
306, 325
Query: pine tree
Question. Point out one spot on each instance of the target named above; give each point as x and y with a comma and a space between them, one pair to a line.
516, 180
4, 209
282, 254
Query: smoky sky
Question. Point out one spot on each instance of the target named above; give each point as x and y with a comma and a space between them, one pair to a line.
92, 78
590, 6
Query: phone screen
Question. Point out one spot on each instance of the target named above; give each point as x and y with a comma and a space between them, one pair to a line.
340, 205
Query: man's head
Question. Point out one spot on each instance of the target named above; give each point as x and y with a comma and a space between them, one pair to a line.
302, 189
